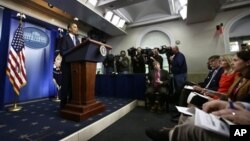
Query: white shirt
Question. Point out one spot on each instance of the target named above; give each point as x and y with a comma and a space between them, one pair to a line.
73, 37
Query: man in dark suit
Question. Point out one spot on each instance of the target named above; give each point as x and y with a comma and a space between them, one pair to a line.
210, 82
108, 63
158, 82
69, 41
213, 78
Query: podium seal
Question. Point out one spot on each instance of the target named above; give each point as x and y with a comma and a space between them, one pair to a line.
103, 50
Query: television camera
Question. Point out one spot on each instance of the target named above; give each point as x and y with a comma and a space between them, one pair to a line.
145, 52
117, 58
166, 50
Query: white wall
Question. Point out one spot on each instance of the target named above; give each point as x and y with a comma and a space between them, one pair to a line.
198, 41
242, 28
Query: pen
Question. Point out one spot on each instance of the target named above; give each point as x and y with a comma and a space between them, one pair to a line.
231, 104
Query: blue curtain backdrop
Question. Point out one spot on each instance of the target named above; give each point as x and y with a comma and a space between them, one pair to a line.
3, 50
121, 85
39, 63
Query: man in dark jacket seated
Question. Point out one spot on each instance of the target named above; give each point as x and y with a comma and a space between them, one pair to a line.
157, 89
211, 81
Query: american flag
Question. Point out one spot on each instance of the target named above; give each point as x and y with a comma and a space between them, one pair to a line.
16, 61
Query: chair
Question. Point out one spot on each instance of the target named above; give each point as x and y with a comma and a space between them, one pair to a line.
153, 102
157, 98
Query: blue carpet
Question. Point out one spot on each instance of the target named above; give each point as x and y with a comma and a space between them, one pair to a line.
40, 121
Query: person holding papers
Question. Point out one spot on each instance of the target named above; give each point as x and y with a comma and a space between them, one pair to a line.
211, 82
213, 78
237, 112
229, 75
233, 113
226, 79
240, 88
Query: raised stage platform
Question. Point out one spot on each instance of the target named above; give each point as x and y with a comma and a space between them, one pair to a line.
40, 120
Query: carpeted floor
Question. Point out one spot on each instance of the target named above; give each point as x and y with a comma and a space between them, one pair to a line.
40, 121
132, 126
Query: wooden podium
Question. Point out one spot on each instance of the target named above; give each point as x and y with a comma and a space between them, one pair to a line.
83, 60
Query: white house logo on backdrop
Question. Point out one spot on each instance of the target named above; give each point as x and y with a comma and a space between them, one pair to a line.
35, 38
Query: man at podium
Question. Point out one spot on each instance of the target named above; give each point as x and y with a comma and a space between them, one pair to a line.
68, 41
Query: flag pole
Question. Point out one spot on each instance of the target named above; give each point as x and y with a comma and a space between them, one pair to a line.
15, 107
57, 96
57, 93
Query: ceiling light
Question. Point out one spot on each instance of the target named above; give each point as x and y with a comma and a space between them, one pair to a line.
121, 23
115, 20
183, 12
173, 6
93, 2
108, 15
183, 2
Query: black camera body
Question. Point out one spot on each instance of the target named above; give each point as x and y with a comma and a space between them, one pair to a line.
166, 50
117, 57
147, 52
132, 51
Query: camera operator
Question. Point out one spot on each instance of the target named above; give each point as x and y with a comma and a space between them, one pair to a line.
137, 60
122, 63
153, 58
168, 51
179, 70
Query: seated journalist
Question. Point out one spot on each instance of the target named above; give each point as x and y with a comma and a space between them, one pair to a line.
157, 89
239, 115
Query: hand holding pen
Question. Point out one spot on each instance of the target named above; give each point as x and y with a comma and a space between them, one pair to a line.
231, 104
234, 112
237, 113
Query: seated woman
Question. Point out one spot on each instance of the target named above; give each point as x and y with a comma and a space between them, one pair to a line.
240, 89
191, 132
227, 77
158, 81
